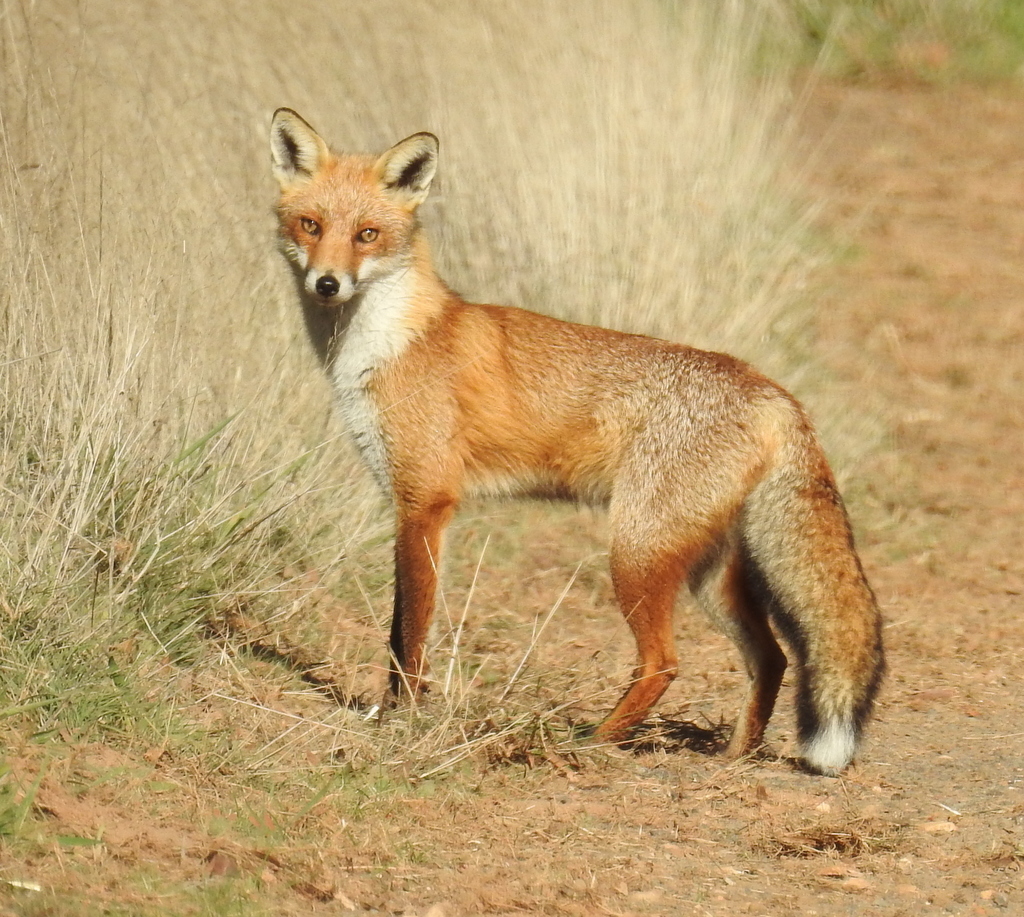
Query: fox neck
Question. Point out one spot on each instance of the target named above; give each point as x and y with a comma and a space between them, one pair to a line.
379, 321
374, 328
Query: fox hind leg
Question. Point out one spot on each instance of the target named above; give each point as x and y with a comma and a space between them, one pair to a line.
722, 591
646, 593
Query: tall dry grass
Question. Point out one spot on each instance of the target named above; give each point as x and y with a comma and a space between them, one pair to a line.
168, 449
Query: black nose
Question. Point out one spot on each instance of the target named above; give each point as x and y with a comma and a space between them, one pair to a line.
327, 286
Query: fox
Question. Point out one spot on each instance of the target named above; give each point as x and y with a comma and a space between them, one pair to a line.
711, 474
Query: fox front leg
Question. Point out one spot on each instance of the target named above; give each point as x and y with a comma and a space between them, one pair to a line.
417, 555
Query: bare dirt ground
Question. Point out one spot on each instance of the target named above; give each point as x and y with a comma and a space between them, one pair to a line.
923, 317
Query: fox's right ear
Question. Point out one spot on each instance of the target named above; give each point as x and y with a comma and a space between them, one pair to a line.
296, 150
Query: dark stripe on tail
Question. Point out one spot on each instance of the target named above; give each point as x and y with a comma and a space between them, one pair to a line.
794, 634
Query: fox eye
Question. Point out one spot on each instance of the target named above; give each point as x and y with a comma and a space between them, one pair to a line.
312, 227
367, 235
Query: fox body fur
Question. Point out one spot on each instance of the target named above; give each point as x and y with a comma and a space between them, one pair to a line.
711, 473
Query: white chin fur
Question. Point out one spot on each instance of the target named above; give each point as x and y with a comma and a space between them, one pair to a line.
831, 748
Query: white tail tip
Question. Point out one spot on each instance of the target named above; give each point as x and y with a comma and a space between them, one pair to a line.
831, 748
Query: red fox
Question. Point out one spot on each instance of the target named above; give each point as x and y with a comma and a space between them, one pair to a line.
711, 473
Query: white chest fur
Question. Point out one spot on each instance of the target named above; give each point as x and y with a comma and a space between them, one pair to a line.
377, 333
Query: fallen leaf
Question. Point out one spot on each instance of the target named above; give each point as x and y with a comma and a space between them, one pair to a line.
838, 871
315, 891
855, 884
921, 700
938, 827
155, 754
650, 896
21, 883
220, 864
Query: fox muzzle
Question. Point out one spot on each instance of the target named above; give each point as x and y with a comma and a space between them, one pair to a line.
330, 288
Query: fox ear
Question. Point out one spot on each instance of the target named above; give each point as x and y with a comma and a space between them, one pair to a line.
406, 170
296, 150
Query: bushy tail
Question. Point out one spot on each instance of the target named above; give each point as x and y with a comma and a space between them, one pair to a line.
802, 563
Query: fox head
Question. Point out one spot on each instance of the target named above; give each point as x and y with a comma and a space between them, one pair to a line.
347, 221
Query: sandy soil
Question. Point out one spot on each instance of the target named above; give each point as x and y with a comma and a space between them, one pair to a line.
923, 317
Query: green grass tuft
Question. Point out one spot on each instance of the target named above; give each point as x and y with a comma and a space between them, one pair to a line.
932, 40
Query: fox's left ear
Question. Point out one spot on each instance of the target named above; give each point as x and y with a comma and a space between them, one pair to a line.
296, 150
406, 170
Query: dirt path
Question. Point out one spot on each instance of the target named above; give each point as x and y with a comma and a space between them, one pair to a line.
928, 313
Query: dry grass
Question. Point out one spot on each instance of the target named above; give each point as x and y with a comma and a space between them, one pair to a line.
167, 440
169, 458
846, 839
